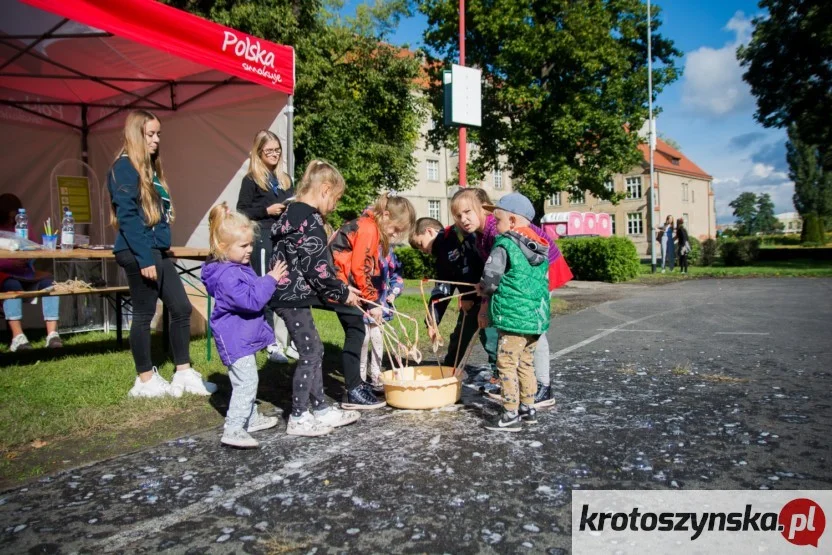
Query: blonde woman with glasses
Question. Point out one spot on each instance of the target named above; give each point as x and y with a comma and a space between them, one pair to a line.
263, 198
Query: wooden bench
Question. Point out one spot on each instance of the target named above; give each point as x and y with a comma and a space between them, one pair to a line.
117, 296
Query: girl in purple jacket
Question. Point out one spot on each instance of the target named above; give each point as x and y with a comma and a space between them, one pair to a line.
238, 321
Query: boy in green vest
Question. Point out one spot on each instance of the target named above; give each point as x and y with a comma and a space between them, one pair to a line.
516, 279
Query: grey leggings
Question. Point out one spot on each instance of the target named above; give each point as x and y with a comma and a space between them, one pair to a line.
243, 375
541, 360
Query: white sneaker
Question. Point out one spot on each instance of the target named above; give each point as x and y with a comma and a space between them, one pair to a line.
191, 382
335, 417
156, 386
20, 343
259, 422
276, 354
306, 425
237, 437
291, 351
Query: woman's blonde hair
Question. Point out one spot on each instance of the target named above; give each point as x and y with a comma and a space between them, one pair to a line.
317, 173
135, 147
226, 226
400, 213
258, 170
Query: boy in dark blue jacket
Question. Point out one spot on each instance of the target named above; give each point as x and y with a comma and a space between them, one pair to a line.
457, 260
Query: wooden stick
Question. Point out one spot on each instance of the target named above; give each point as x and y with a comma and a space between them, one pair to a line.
450, 282
452, 297
459, 343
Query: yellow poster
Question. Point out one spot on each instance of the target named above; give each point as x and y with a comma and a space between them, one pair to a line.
74, 195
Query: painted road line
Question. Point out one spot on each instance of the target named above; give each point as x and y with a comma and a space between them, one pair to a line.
598, 336
638, 331
739, 333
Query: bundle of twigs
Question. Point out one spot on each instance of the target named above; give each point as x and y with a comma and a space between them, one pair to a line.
72, 286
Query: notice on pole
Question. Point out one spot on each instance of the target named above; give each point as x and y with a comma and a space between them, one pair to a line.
74, 195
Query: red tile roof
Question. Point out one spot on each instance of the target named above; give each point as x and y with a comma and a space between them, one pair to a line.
663, 160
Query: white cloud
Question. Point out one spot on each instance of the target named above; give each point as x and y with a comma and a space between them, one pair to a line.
713, 82
761, 178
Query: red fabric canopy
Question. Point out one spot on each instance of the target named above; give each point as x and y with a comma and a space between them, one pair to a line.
125, 53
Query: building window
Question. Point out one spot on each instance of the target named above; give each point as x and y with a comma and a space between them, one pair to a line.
498, 179
634, 187
612, 224
655, 198
433, 170
609, 186
685, 192
554, 199
577, 198
691, 195
685, 219
434, 209
635, 223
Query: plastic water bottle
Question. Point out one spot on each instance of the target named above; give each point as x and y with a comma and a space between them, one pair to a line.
21, 224
68, 232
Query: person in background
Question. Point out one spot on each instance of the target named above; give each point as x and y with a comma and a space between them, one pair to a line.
665, 238
683, 242
238, 322
142, 212
20, 275
263, 194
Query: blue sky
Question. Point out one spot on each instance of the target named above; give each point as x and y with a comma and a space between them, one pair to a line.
709, 111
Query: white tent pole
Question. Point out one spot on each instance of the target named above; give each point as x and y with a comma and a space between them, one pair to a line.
651, 210
290, 135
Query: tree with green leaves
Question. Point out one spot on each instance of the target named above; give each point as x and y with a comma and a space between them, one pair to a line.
745, 211
354, 96
564, 86
765, 221
812, 184
789, 67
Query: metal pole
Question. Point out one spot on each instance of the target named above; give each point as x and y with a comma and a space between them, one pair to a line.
290, 136
650, 210
463, 143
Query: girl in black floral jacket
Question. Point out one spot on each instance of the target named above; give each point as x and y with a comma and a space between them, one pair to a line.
300, 240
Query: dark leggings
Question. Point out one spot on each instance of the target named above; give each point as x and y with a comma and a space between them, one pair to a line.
353, 325
144, 293
308, 382
683, 262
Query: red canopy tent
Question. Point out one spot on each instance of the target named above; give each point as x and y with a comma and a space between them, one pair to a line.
70, 69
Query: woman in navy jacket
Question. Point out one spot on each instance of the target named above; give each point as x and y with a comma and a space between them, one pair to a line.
142, 212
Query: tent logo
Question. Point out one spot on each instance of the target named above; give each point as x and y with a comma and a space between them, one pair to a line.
245, 49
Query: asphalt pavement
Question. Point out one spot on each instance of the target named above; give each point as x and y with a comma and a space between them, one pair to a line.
701, 384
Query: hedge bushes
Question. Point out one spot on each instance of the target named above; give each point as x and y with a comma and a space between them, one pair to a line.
610, 259
739, 252
709, 252
415, 263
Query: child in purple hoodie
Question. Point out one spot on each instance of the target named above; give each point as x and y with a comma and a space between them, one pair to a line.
238, 321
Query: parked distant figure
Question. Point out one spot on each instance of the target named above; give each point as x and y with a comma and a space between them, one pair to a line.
684, 245
263, 195
20, 275
665, 238
142, 212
